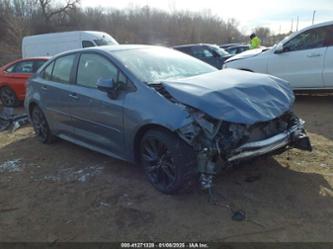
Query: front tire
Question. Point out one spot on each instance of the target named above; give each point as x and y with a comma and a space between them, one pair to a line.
169, 163
8, 97
40, 125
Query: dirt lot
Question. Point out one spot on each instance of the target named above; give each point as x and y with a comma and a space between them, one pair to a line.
63, 192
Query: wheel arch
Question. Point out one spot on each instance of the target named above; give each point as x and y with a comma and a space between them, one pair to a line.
139, 135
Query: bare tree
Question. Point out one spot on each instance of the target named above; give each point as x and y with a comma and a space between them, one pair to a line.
48, 10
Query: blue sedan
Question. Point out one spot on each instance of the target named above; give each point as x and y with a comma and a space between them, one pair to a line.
173, 114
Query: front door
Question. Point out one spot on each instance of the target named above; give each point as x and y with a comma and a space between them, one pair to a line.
301, 63
97, 119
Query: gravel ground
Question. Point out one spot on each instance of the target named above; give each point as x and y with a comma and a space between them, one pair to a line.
62, 192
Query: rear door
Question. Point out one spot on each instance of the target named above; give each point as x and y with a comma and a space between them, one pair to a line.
302, 61
55, 86
96, 118
328, 61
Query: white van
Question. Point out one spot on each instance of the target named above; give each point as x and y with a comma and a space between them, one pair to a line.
54, 43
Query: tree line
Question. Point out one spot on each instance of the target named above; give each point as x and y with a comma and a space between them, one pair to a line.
143, 25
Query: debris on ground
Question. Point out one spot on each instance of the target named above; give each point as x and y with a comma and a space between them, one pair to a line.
239, 215
71, 175
9, 118
11, 166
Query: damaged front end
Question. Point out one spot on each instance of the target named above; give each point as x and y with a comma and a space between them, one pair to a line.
235, 116
221, 144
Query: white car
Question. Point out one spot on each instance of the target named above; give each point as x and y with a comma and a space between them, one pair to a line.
305, 58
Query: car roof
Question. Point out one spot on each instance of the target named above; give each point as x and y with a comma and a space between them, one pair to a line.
108, 48
194, 44
318, 25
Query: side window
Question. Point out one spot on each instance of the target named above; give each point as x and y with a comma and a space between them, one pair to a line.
122, 78
10, 69
202, 52
37, 65
62, 69
93, 67
87, 44
47, 74
329, 38
21, 67
314, 38
232, 51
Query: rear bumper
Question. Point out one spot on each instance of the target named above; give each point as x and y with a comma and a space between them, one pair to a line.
293, 137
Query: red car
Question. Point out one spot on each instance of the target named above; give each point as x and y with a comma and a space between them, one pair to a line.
13, 78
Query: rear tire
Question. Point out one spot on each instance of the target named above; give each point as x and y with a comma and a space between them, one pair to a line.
40, 125
169, 163
8, 97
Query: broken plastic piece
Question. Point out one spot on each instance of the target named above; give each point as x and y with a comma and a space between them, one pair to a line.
238, 215
8, 118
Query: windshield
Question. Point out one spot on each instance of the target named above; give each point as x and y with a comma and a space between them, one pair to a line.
105, 40
156, 64
220, 51
281, 42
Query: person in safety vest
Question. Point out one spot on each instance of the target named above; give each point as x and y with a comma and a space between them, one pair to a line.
255, 41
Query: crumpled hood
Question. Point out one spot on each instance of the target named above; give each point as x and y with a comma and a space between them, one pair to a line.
246, 54
233, 95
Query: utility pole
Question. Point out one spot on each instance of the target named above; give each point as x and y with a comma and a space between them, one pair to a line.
292, 24
297, 23
313, 16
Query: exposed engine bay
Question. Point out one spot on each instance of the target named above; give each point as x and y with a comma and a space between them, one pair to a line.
230, 142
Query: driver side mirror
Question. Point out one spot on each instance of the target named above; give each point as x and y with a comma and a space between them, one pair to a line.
109, 86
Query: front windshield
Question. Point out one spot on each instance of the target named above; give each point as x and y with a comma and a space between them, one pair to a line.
155, 64
105, 40
280, 43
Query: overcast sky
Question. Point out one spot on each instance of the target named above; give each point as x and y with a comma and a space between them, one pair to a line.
275, 14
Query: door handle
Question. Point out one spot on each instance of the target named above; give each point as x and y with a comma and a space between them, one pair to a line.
44, 88
313, 55
73, 96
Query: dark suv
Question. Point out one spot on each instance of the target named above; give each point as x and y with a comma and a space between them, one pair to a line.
209, 53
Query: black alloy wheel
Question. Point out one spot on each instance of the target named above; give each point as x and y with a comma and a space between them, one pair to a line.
41, 126
169, 163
